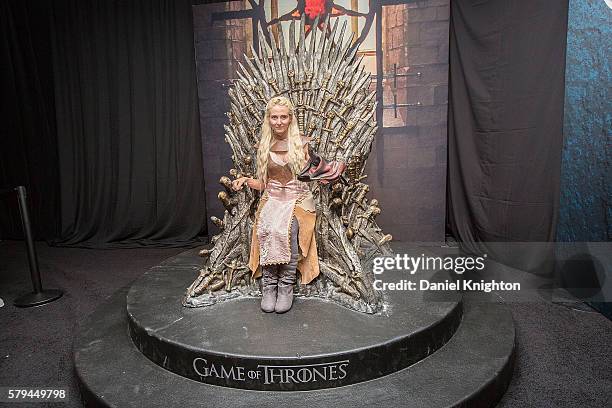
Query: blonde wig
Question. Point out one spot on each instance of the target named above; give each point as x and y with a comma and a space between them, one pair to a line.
295, 152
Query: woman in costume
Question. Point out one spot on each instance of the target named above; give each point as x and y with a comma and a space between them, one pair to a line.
283, 238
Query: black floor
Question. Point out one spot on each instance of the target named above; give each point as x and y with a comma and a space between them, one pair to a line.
564, 356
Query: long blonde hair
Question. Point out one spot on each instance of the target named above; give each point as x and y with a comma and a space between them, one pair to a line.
295, 153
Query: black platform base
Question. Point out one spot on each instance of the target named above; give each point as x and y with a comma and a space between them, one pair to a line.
473, 369
318, 344
454, 354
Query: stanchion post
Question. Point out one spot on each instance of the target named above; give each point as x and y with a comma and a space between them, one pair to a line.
39, 296
27, 231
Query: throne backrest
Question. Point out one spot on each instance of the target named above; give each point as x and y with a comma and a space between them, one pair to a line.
326, 83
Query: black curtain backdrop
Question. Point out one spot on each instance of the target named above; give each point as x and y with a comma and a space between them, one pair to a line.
127, 119
28, 141
123, 163
507, 61
100, 122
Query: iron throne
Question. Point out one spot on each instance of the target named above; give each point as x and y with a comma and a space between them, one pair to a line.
329, 89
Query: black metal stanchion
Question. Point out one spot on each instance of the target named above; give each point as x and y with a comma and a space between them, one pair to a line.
39, 296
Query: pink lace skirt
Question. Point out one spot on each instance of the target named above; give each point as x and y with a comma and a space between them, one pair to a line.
274, 224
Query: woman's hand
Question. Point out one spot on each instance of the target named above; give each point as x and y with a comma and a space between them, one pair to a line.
238, 183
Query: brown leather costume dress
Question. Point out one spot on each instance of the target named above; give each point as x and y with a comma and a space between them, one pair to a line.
284, 198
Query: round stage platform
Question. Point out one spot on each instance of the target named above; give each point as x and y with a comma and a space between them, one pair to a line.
438, 351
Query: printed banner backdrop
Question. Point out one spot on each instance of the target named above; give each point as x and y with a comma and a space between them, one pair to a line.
404, 45
586, 191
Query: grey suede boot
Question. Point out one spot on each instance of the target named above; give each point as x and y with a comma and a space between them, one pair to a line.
284, 301
269, 284
287, 274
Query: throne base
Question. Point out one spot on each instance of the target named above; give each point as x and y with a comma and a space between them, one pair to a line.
420, 353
